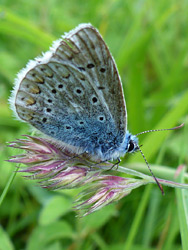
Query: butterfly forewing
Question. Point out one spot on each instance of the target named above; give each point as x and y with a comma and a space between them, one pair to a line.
74, 94
101, 70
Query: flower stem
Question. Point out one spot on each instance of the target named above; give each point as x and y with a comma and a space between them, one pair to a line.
5, 191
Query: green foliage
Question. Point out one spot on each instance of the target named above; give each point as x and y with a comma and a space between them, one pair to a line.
149, 41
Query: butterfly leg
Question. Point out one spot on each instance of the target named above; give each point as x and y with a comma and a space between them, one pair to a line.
116, 164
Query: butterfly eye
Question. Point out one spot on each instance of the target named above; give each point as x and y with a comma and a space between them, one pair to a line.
130, 146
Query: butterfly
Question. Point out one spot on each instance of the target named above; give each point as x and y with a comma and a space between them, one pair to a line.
73, 94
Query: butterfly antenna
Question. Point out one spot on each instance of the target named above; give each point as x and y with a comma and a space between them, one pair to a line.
164, 129
155, 130
159, 185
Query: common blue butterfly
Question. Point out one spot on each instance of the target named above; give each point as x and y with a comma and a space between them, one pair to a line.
74, 95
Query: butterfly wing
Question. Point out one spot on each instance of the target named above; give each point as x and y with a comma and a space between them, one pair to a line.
74, 94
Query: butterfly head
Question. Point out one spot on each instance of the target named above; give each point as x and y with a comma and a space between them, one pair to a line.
131, 143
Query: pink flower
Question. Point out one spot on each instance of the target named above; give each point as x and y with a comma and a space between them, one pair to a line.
56, 168
106, 190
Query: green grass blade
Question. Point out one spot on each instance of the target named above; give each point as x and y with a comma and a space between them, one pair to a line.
182, 205
137, 219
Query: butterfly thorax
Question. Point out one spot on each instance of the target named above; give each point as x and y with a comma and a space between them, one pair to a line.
129, 145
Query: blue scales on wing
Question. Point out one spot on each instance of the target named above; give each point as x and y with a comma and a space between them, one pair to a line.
74, 94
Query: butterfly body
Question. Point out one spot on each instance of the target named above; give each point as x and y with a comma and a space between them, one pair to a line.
73, 94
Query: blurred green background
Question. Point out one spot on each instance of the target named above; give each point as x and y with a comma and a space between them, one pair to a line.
149, 41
